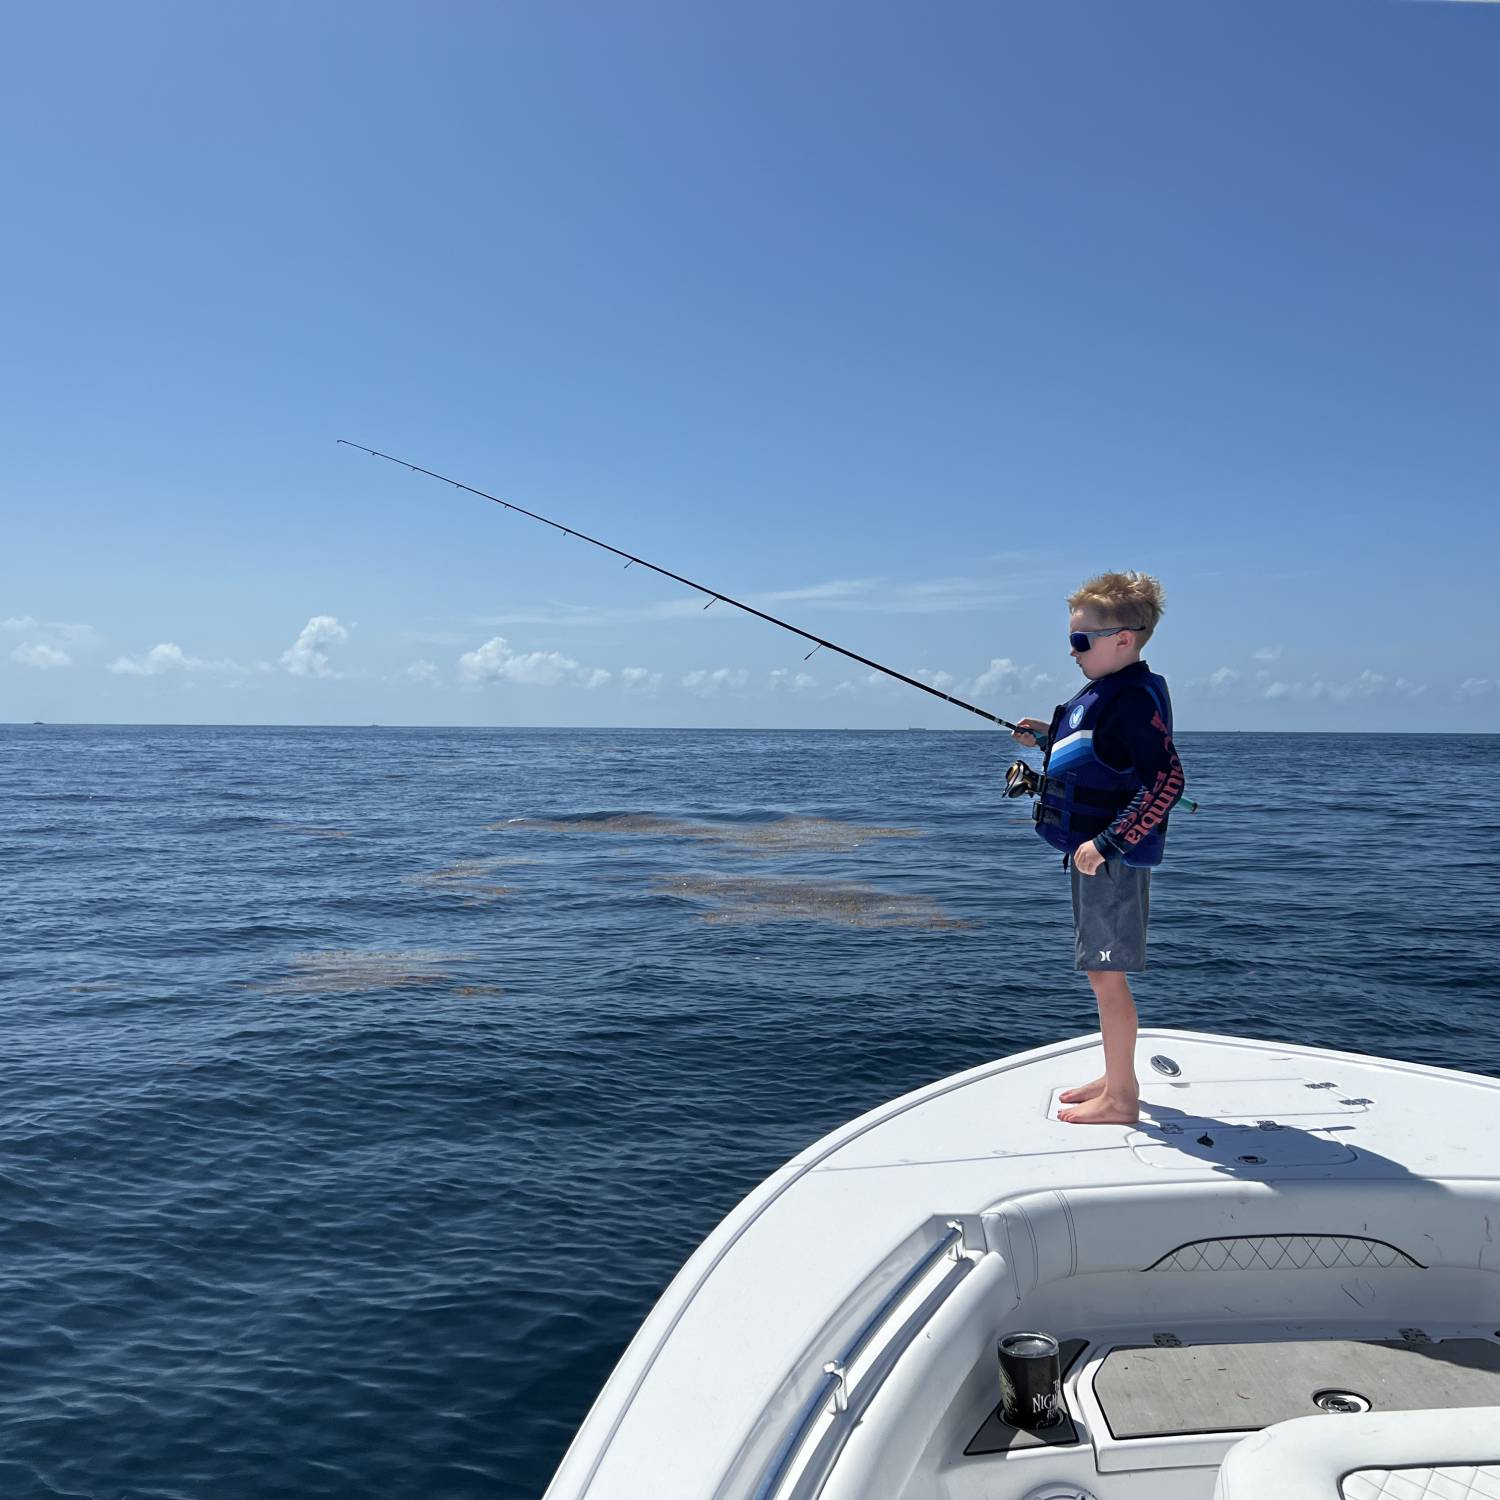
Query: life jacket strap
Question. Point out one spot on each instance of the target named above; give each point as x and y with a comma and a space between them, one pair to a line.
1087, 796
1043, 814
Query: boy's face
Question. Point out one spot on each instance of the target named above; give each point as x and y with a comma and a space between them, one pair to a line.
1106, 653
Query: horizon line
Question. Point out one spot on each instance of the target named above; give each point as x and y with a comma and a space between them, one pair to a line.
665, 728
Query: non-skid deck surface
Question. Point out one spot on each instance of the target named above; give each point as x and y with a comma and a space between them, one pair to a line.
1160, 1392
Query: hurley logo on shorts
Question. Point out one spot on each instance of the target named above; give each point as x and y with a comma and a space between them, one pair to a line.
1104, 953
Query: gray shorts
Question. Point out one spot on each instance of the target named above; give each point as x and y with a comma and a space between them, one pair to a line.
1110, 912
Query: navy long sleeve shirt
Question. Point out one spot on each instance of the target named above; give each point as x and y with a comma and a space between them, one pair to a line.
1132, 736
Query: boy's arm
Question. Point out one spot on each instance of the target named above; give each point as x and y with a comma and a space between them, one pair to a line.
1142, 734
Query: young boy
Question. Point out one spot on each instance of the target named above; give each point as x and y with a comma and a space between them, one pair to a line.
1110, 777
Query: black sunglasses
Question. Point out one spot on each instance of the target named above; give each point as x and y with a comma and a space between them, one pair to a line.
1083, 640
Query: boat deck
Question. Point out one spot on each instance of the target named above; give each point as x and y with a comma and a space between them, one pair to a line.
1270, 1196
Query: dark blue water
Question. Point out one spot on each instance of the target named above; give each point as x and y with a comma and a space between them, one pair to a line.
347, 1139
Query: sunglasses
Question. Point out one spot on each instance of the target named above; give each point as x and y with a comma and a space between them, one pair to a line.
1083, 640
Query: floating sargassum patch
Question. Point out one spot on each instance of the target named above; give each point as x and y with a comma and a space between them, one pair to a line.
741, 899
782, 836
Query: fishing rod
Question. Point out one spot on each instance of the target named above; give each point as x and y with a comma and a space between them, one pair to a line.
714, 596
1020, 781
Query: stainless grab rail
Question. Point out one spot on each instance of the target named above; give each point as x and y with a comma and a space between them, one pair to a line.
820, 1465
832, 1384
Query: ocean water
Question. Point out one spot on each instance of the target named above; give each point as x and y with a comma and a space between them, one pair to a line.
364, 1087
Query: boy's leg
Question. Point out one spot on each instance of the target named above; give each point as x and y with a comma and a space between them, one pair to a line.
1117, 1021
1110, 914
1118, 1100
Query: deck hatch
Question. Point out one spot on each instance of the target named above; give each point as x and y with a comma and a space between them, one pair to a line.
1205, 1388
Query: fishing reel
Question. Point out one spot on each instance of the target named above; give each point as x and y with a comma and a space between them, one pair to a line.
1023, 780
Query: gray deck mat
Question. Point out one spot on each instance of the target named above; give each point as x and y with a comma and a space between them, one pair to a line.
1161, 1392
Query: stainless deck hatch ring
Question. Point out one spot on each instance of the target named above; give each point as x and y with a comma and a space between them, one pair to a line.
1340, 1401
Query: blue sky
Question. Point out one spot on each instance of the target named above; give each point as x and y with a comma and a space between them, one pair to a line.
897, 320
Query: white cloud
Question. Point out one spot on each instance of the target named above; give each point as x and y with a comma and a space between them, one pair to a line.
168, 656
710, 684
48, 644
1006, 676
876, 595
56, 633
40, 655
1477, 687
1002, 675
942, 681
641, 680
1221, 679
423, 671
934, 596
1373, 684
1266, 653
797, 682
1369, 684
494, 661
836, 589
303, 658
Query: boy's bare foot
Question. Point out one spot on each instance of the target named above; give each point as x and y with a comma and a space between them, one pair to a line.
1083, 1091
1105, 1109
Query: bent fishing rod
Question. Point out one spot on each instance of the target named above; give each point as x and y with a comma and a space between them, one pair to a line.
714, 596
1020, 781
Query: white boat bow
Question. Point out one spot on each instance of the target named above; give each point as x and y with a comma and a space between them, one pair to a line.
1286, 1232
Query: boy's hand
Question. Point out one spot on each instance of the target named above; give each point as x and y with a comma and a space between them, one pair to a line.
1022, 737
1087, 859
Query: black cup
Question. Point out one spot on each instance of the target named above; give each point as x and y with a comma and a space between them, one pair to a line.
1030, 1381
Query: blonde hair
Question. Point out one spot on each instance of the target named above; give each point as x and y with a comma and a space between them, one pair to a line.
1133, 599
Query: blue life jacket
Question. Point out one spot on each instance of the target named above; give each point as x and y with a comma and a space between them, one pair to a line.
1081, 795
